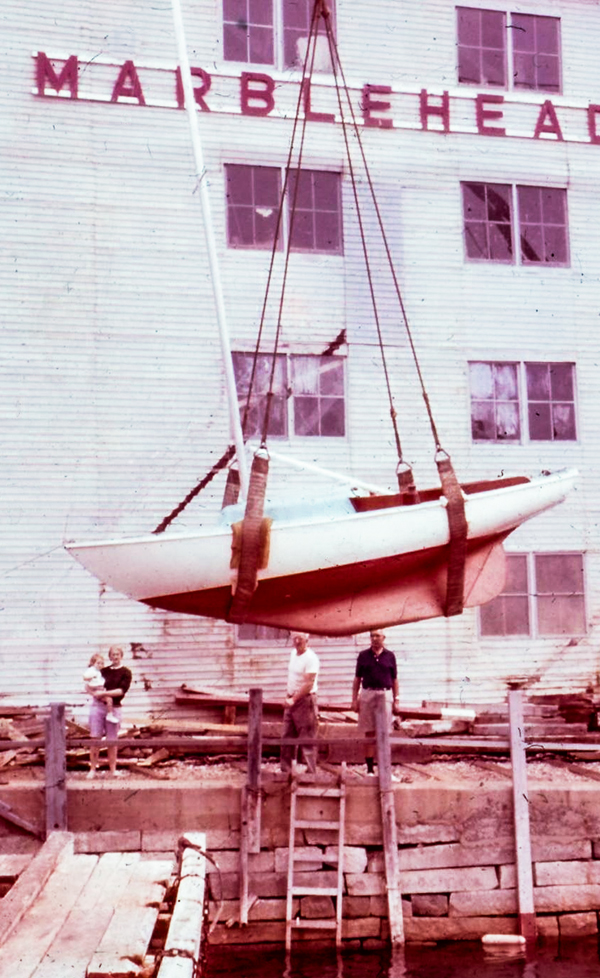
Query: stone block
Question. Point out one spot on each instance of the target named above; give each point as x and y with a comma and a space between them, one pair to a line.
365, 884
226, 886
455, 854
577, 924
355, 858
427, 834
429, 905
456, 928
261, 910
449, 880
567, 899
323, 878
596, 848
282, 857
489, 903
569, 872
160, 840
128, 840
358, 906
224, 861
508, 877
361, 927
548, 850
222, 839
378, 906
316, 907
547, 926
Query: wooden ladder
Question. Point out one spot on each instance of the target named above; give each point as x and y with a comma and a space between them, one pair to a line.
307, 787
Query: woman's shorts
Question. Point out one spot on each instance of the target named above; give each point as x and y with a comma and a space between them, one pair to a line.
99, 725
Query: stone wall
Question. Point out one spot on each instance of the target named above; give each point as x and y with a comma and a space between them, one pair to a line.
456, 852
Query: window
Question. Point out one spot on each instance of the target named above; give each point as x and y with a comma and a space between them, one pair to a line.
543, 596
273, 32
499, 389
308, 394
541, 219
531, 45
481, 46
508, 614
253, 196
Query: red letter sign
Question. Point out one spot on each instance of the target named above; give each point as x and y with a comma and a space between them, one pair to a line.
128, 84
308, 112
547, 121
483, 115
370, 105
46, 73
442, 110
592, 112
199, 92
264, 94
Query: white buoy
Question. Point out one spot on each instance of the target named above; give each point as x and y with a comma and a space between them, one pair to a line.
510, 939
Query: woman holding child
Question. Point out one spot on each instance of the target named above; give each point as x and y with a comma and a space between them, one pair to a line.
107, 685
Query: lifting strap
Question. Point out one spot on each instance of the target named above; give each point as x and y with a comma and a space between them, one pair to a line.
457, 522
250, 544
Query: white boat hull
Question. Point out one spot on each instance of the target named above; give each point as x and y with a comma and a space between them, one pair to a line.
334, 573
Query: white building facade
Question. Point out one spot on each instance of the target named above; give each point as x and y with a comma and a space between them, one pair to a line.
481, 126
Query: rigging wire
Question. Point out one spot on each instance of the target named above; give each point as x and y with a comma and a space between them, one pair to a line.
336, 61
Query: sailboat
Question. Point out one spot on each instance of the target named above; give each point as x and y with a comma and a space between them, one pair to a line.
337, 566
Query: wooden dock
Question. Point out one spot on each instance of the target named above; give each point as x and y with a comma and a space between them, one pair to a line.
81, 916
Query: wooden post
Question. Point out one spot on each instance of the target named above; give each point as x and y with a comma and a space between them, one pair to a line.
56, 769
250, 801
254, 768
388, 822
527, 920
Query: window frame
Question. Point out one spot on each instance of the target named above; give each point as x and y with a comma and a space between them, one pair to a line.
280, 28
524, 402
231, 206
517, 224
290, 433
533, 596
510, 51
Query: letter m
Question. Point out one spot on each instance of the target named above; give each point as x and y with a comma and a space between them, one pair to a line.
46, 75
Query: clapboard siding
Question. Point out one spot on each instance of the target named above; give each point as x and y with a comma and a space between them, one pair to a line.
112, 399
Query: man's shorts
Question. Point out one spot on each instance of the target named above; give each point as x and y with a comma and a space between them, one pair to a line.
366, 708
99, 725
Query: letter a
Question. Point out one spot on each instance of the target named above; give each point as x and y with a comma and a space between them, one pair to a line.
128, 84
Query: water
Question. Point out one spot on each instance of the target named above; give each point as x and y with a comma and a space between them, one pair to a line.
575, 959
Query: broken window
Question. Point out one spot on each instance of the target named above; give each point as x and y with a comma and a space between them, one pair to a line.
273, 32
508, 614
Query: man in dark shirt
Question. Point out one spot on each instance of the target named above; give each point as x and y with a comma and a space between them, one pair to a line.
376, 670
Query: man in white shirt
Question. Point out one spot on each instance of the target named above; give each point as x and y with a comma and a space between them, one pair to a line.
300, 714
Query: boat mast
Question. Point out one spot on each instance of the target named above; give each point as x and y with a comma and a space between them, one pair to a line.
192, 113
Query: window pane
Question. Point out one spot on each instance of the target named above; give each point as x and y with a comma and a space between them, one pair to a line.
492, 29
536, 46
240, 226
305, 373
332, 376
235, 43
523, 32
303, 232
505, 381
500, 242
474, 201
328, 235
253, 194
516, 574
483, 421
261, 12
555, 245
498, 203
559, 573
540, 422
547, 34
530, 204
317, 218
563, 422
306, 415
476, 240
236, 11
297, 16
481, 46
488, 223
261, 46
332, 417
561, 615
242, 366
561, 381
543, 224
524, 74
507, 422
492, 63
469, 26
538, 381
532, 243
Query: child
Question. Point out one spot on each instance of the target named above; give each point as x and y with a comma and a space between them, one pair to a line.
94, 681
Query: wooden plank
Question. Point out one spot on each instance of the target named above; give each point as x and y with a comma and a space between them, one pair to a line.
31, 881
527, 919
182, 946
388, 823
56, 770
26, 946
13, 864
9, 815
82, 931
121, 951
